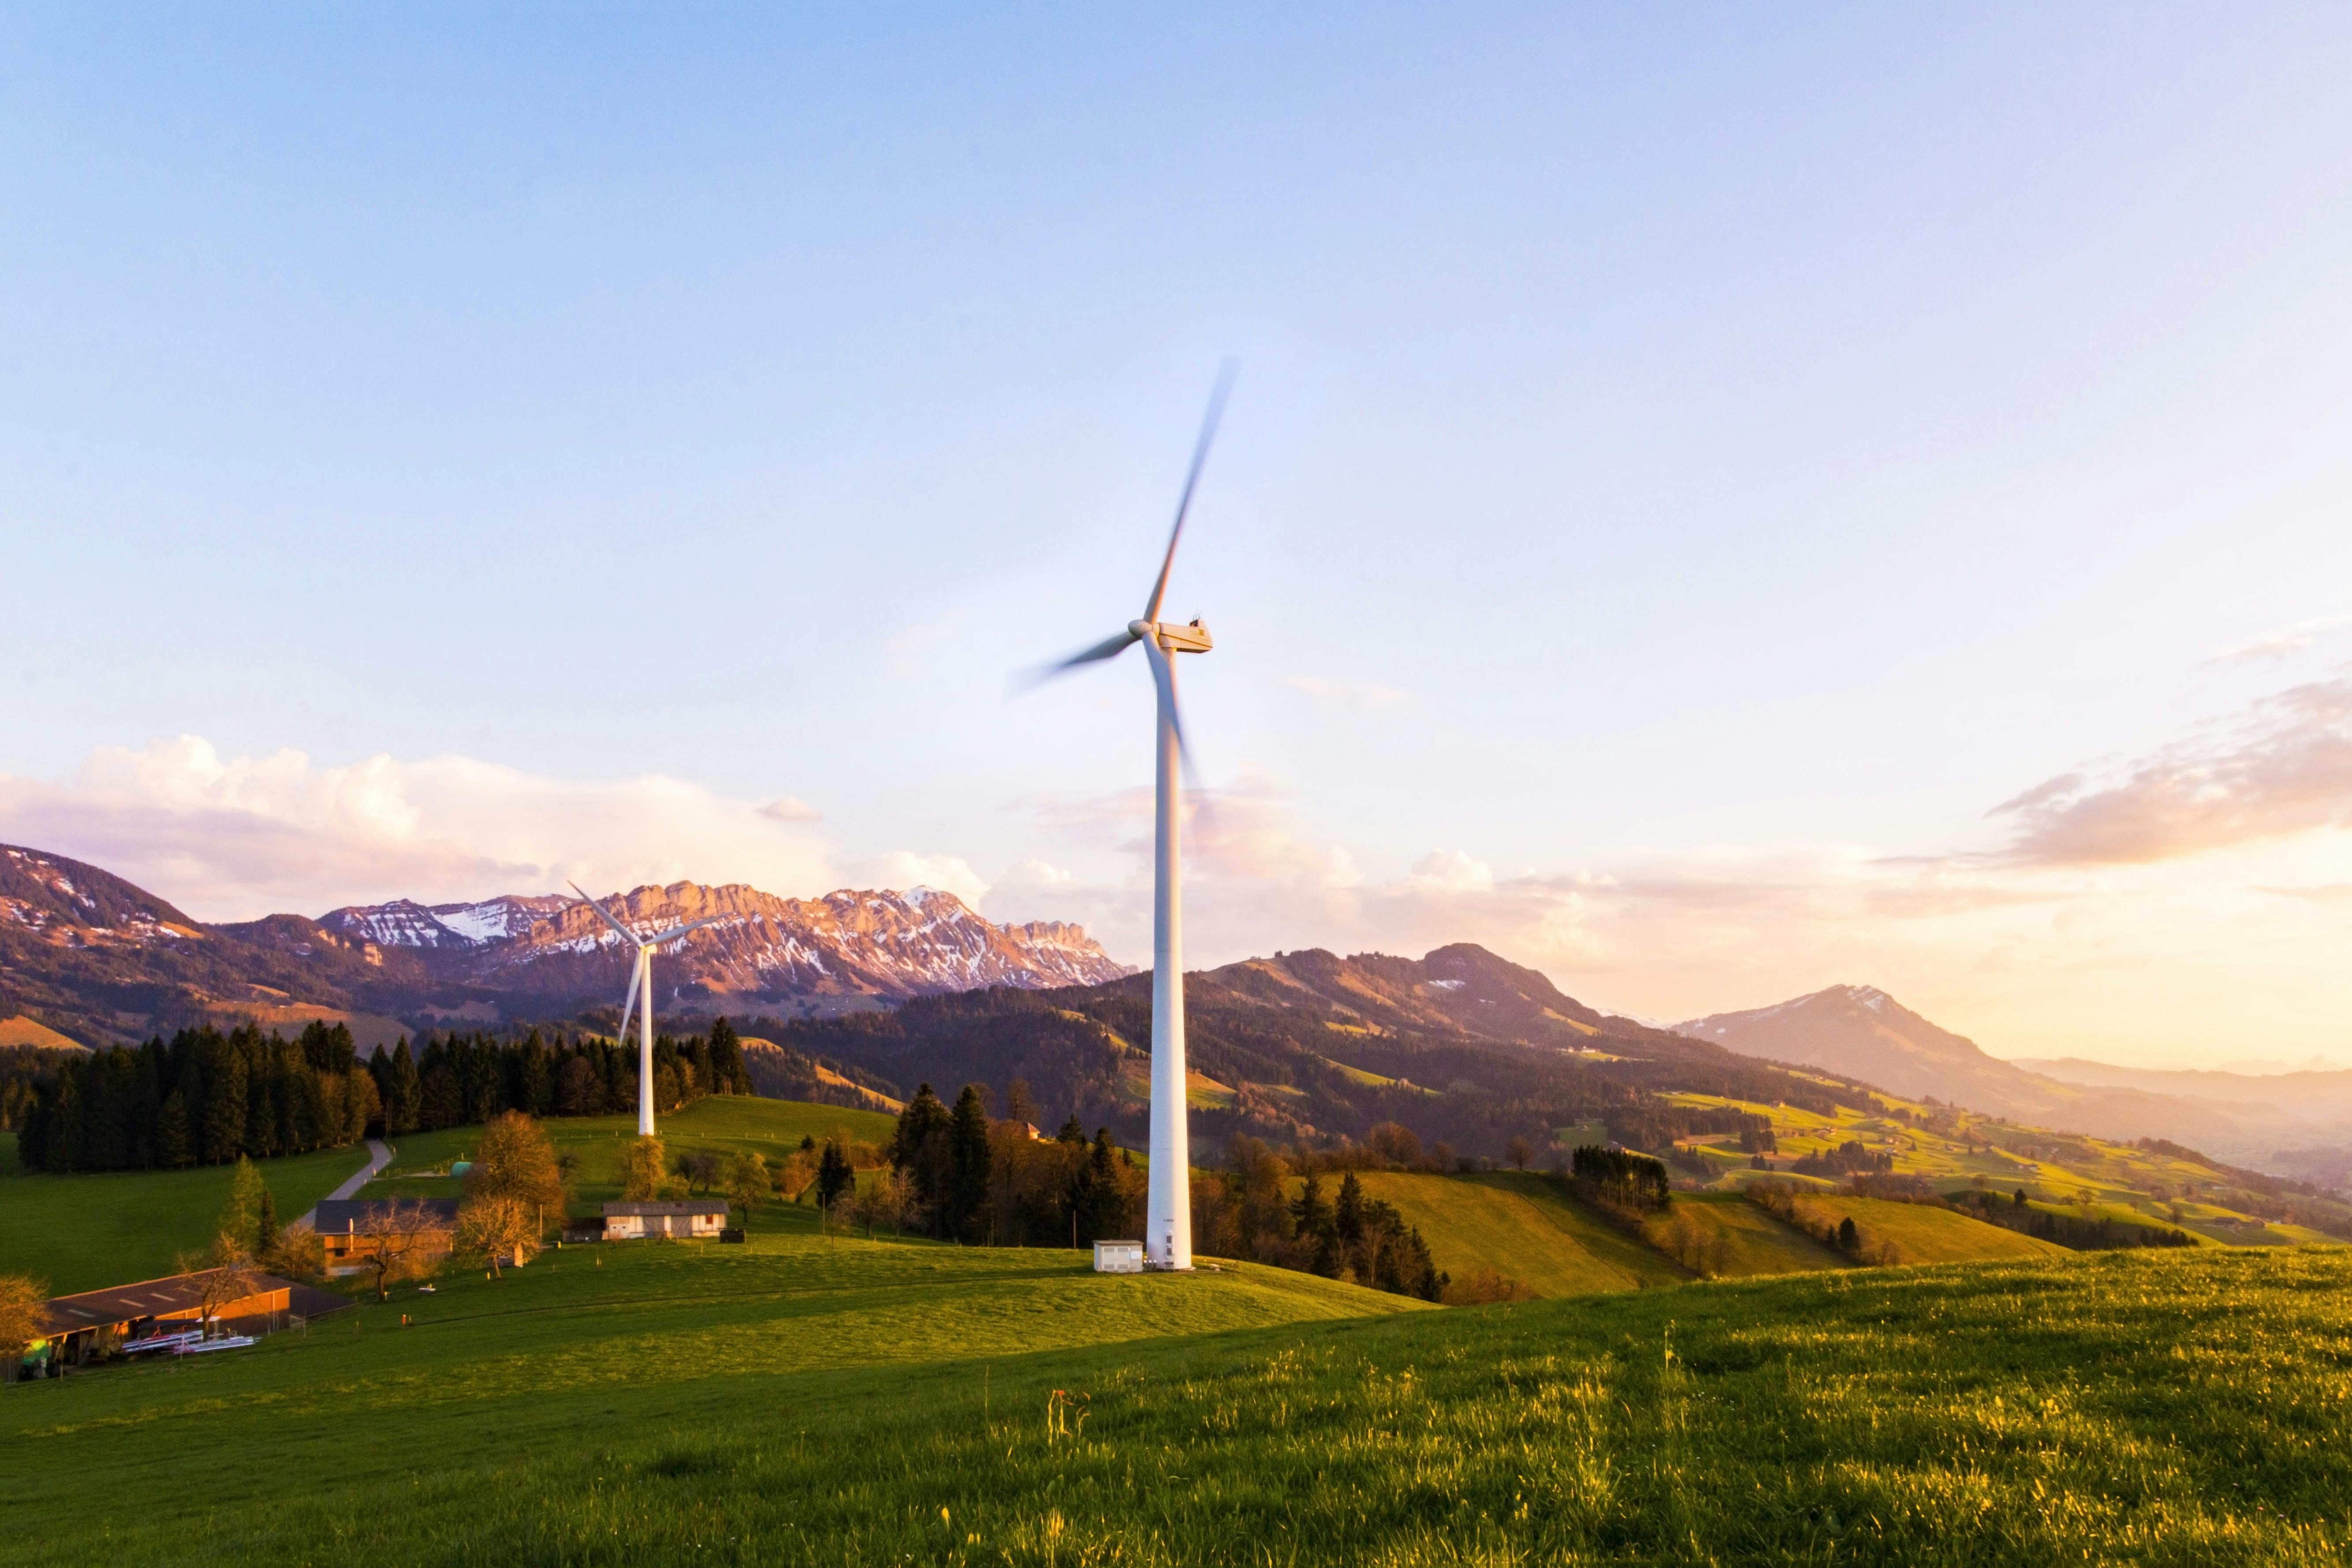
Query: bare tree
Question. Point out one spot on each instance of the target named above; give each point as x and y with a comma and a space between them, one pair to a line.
405, 1243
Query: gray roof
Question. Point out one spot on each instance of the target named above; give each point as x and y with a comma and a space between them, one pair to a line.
708, 1206
341, 1216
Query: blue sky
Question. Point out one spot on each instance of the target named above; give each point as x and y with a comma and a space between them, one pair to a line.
1686, 472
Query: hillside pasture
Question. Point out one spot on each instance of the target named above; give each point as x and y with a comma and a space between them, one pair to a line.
1474, 1226
1727, 1237
721, 1123
1921, 1233
806, 1402
86, 1232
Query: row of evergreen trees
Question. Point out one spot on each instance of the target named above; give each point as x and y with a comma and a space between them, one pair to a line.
988, 1181
1247, 1210
985, 1181
208, 1098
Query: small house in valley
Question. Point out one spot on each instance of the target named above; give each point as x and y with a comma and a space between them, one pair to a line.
635, 1221
353, 1231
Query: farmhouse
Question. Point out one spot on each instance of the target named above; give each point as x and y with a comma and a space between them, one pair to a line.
631, 1222
160, 1313
353, 1230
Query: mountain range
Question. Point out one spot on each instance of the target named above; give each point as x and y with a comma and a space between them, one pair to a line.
90, 955
1461, 1047
885, 989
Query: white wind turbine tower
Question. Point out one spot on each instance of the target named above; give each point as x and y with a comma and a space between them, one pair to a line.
1168, 1225
641, 977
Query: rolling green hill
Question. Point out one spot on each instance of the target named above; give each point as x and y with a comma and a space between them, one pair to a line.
82, 1232
1914, 1232
725, 1124
1727, 1237
1550, 1246
797, 1401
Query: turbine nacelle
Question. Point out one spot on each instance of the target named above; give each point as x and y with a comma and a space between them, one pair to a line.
1189, 637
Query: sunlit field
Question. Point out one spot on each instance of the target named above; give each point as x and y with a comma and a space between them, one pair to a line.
810, 1401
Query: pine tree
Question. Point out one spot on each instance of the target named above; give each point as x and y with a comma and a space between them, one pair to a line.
1313, 1215
1348, 1216
264, 1230
919, 1148
726, 1071
965, 1199
221, 1135
835, 1175
172, 1148
241, 1214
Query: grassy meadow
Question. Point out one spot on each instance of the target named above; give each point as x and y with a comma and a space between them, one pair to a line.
83, 1233
722, 1123
800, 1400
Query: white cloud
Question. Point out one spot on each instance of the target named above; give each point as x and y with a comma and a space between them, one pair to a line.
2284, 643
1450, 871
233, 839
950, 873
791, 808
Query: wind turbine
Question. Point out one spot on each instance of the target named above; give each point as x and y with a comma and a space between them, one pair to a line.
1168, 1224
641, 976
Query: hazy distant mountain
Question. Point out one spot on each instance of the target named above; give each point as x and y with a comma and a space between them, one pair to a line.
86, 953
1861, 1032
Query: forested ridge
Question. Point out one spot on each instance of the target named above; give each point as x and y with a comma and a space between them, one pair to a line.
206, 1096
1465, 1049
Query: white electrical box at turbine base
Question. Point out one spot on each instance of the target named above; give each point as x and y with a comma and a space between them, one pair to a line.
1119, 1257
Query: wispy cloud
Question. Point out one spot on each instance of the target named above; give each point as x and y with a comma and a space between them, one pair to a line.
235, 837
2284, 643
1342, 694
2284, 768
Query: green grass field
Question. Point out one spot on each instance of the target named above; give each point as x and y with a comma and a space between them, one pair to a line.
803, 1402
725, 1123
1741, 1241
1918, 1234
82, 1232
1480, 1224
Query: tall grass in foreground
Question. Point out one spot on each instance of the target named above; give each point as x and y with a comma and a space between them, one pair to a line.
2172, 1408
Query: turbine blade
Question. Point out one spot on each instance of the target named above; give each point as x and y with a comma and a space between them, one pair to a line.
1163, 673
674, 932
1217, 395
636, 973
627, 934
1109, 647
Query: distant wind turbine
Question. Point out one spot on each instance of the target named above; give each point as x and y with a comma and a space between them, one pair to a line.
641, 977
1167, 1226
